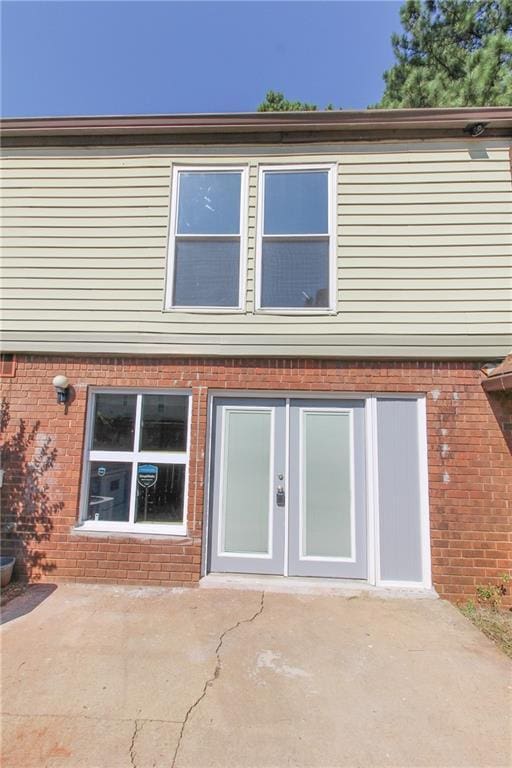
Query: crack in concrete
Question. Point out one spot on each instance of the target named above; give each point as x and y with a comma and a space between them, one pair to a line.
216, 673
139, 725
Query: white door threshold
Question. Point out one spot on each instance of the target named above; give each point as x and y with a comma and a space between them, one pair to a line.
309, 586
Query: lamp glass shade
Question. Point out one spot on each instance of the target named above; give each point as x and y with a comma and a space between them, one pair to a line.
60, 381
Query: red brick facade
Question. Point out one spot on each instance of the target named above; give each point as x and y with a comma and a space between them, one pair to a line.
470, 462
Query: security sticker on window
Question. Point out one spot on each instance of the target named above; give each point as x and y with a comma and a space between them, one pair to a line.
147, 475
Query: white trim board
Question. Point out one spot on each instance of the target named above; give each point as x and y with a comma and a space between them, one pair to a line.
300, 394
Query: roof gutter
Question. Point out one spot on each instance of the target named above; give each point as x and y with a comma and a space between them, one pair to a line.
320, 126
501, 383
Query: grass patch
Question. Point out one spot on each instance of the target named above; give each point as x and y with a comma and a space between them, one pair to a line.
495, 623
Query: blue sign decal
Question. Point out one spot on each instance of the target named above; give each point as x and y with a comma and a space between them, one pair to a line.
147, 475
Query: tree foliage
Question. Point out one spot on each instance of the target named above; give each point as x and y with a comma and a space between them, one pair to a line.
275, 101
452, 53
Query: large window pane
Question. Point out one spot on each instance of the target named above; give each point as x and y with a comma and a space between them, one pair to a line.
206, 274
161, 502
164, 423
109, 491
209, 203
296, 203
295, 274
114, 422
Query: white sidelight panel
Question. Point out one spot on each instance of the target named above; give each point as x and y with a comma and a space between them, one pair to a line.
399, 491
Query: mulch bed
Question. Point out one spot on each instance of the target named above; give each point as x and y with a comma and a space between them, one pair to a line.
12, 590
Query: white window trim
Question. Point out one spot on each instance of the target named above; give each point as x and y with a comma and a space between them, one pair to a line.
331, 169
173, 237
133, 457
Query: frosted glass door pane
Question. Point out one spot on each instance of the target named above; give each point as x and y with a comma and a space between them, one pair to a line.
246, 481
327, 492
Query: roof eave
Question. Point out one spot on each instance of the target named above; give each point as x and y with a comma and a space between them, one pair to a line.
364, 123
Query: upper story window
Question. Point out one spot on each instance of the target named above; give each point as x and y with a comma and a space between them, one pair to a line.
206, 250
296, 239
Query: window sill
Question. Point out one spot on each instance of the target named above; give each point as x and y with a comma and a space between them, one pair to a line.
301, 312
107, 528
323, 311
205, 310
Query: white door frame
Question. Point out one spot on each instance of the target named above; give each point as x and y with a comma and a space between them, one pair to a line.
372, 469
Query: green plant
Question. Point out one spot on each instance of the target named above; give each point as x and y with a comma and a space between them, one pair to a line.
468, 608
485, 614
275, 101
492, 595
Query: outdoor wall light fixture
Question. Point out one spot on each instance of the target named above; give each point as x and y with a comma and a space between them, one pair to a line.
476, 129
61, 384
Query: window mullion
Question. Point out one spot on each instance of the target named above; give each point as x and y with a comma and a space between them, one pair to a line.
136, 448
114, 456
294, 237
133, 493
157, 457
205, 237
138, 419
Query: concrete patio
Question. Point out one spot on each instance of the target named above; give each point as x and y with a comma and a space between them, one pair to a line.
120, 677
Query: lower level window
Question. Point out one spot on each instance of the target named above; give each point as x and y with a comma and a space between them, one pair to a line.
137, 458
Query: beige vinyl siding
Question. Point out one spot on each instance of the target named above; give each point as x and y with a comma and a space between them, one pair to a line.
424, 253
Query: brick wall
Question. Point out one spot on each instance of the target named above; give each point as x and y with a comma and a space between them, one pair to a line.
470, 464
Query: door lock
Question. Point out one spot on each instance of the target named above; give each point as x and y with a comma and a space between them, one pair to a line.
280, 496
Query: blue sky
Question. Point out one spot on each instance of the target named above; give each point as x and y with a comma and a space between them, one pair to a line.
100, 57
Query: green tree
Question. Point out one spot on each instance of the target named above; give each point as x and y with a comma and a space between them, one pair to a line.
276, 102
452, 53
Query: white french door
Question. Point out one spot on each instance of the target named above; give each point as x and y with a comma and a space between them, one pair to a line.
288, 487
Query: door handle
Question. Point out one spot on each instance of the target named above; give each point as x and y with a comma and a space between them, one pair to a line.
280, 496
